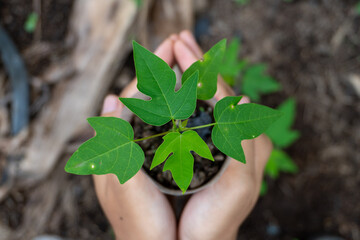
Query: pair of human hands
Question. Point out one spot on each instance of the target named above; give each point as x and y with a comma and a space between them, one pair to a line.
138, 210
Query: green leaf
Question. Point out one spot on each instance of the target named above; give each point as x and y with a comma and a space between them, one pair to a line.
280, 132
235, 123
257, 82
157, 80
181, 162
112, 150
30, 23
278, 162
231, 66
208, 68
183, 124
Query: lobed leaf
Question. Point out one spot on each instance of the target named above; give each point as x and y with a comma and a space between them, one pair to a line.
257, 82
208, 68
235, 123
157, 80
280, 132
181, 162
112, 150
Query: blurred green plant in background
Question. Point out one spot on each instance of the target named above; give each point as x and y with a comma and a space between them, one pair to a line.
31, 22
252, 79
138, 3
280, 132
357, 8
242, 2
232, 67
278, 162
256, 82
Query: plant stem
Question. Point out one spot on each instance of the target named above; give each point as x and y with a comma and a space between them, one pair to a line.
201, 126
164, 133
174, 124
153, 136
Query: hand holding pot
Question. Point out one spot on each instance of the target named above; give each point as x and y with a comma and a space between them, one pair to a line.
217, 211
138, 210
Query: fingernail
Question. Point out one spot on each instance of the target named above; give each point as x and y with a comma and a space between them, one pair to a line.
110, 104
186, 33
174, 37
244, 99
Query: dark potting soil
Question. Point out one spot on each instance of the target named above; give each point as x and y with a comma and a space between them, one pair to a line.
204, 169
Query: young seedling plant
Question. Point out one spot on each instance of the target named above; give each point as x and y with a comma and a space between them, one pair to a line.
114, 149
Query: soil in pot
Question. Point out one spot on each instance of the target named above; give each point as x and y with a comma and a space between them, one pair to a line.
204, 169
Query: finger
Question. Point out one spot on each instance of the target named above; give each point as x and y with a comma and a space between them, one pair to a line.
165, 52
130, 90
188, 38
111, 106
263, 148
174, 37
223, 89
244, 99
241, 169
184, 55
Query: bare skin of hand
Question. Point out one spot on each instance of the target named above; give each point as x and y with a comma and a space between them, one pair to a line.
138, 210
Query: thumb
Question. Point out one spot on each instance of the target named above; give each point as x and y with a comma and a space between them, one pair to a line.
111, 106
244, 99
183, 55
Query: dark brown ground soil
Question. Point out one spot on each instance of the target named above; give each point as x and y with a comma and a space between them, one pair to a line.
312, 48
204, 169
54, 19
